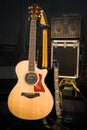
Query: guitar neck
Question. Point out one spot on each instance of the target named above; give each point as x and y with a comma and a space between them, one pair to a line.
44, 48
32, 45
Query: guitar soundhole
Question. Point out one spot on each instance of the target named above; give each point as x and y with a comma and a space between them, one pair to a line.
31, 78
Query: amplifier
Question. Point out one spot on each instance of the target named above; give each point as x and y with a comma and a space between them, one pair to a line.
66, 27
66, 52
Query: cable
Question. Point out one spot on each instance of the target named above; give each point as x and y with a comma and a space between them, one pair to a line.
55, 124
68, 82
83, 97
73, 83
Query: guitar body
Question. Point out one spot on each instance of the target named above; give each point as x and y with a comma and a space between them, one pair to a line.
29, 100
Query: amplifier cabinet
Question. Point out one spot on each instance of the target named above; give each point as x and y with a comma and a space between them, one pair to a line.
66, 27
66, 52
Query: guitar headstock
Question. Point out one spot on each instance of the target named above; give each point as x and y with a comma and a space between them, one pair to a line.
43, 19
34, 11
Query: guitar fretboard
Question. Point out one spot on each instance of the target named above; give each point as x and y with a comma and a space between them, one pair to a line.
32, 45
44, 48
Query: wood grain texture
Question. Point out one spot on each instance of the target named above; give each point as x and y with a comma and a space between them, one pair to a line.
29, 108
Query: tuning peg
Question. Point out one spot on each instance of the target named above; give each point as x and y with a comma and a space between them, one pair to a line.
30, 7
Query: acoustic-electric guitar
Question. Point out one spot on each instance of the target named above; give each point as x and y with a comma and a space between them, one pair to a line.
30, 99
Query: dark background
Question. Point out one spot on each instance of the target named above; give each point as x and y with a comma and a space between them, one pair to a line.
14, 25
14, 34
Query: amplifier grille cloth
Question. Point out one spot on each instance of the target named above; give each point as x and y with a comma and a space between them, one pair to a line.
66, 27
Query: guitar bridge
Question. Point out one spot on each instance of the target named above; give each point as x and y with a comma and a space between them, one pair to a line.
30, 95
